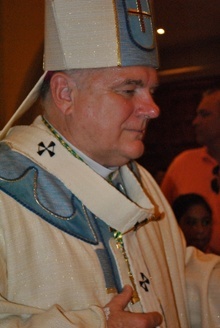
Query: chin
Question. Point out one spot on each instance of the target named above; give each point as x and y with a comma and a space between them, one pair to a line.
200, 140
136, 154
130, 152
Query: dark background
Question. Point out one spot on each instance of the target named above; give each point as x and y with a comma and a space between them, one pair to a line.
189, 54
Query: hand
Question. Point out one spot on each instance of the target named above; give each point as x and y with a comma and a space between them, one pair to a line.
118, 318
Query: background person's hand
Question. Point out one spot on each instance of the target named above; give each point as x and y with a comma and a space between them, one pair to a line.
118, 318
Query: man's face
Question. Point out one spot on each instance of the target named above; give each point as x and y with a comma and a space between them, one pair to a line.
207, 120
111, 110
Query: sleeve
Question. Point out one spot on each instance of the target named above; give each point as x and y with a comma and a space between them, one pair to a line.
15, 315
22, 316
18, 315
202, 286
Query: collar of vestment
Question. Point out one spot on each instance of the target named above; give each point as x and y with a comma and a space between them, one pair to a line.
98, 168
105, 201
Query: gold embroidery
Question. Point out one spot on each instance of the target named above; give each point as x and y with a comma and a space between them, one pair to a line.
118, 34
58, 136
111, 290
141, 14
120, 245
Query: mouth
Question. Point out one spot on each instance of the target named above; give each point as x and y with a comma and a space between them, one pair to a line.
140, 133
139, 129
200, 241
198, 130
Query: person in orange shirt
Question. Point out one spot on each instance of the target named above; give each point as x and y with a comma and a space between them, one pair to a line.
197, 170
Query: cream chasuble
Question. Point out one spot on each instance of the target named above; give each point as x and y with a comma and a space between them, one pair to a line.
153, 244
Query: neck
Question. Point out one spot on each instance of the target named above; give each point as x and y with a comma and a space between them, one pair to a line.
214, 151
98, 168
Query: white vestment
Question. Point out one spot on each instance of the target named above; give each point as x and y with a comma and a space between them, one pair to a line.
50, 278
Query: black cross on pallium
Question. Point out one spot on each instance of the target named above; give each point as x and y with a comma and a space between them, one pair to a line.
141, 14
50, 148
144, 282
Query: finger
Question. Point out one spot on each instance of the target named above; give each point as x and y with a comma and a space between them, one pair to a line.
131, 320
141, 320
120, 301
124, 297
154, 319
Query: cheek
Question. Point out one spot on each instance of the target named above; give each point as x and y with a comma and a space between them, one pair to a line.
209, 231
187, 230
116, 107
98, 126
113, 119
106, 116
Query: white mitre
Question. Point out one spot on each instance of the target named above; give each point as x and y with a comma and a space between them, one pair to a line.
93, 34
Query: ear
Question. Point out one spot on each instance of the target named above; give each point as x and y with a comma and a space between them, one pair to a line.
62, 91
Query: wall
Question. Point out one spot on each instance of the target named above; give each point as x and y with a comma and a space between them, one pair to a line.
21, 39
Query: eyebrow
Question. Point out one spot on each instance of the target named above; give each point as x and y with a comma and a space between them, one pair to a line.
202, 110
130, 82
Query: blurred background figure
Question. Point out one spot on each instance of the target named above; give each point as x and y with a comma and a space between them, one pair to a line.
197, 170
194, 216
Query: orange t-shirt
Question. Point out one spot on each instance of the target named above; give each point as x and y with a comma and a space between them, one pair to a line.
192, 172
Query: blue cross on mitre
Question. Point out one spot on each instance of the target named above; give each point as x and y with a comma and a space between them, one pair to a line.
136, 33
139, 23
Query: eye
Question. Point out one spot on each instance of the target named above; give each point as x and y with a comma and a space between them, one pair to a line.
204, 113
206, 221
127, 91
190, 221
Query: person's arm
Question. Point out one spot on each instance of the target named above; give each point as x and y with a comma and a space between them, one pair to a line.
111, 316
15, 315
116, 315
202, 283
21, 315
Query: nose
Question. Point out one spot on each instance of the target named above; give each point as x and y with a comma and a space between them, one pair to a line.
147, 107
200, 229
195, 121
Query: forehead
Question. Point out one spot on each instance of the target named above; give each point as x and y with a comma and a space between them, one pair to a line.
211, 102
120, 74
197, 211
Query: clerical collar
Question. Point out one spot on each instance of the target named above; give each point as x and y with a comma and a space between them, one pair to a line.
98, 168
103, 171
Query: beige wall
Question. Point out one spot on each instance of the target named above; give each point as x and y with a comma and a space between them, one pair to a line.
21, 44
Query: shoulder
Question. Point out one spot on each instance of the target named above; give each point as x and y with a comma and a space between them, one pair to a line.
16, 168
33, 186
190, 153
188, 157
12, 163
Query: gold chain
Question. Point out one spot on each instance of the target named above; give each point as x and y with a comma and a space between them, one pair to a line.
120, 245
63, 143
